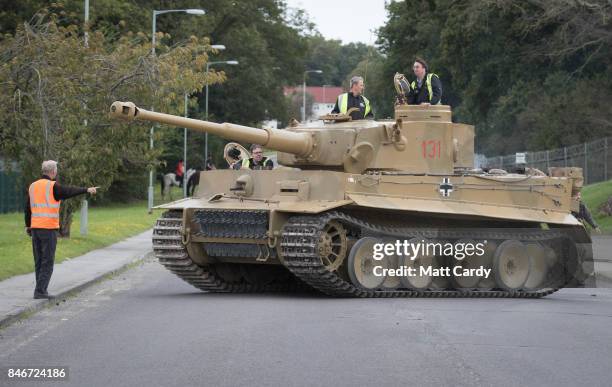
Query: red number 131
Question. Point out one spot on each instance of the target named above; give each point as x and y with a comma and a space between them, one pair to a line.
431, 149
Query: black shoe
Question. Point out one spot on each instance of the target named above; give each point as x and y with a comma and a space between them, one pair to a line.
43, 296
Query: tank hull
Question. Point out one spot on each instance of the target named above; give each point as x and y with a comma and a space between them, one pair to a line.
271, 235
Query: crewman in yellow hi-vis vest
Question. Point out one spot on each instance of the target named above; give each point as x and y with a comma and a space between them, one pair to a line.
354, 99
42, 220
427, 89
257, 162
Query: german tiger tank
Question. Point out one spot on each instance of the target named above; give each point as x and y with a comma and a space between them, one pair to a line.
388, 208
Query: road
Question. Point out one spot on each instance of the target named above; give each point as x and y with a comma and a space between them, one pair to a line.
147, 327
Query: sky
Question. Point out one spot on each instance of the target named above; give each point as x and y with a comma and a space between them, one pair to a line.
347, 20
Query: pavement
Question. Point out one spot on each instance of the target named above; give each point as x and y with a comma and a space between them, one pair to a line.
70, 276
77, 273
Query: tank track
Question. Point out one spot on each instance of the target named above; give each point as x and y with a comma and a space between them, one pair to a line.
171, 253
239, 224
299, 250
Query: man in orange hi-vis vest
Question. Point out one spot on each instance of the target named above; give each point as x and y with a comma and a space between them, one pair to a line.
42, 211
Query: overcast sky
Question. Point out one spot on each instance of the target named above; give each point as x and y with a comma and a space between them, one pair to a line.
347, 20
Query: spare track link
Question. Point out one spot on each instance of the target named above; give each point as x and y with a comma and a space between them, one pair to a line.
169, 249
299, 250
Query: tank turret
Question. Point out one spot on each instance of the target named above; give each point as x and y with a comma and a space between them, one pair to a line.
421, 139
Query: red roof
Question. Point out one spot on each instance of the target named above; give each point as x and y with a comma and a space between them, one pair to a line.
327, 94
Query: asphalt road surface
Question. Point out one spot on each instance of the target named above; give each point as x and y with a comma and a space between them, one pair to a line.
147, 327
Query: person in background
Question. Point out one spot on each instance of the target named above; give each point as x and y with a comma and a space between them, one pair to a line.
584, 214
179, 171
209, 164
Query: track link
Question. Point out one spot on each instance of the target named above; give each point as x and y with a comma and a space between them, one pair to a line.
300, 237
169, 249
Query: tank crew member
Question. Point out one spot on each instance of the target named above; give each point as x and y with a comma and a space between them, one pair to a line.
42, 220
258, 161
584, 214
427, 88
354, 99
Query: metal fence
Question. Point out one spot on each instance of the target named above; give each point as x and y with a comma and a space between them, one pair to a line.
11, 189
593, 157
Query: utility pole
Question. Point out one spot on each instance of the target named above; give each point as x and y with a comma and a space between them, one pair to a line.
84, 205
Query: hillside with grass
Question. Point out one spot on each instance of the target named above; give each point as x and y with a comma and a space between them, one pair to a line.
594, 196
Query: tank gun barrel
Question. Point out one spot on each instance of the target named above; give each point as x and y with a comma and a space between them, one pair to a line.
300, 144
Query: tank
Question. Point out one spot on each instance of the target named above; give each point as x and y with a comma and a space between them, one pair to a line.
365, 208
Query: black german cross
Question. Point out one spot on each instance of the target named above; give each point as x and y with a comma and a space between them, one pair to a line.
446, 187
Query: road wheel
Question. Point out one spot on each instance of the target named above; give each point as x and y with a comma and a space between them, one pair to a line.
539, 266
473, 261
419, 280
511, 265
361, 264
333, 245
392, 262
490, 247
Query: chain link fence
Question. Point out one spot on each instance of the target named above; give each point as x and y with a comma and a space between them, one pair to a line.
593, 157
11, 188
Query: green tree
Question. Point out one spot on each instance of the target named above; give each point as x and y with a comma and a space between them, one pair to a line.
518, 70
56, 95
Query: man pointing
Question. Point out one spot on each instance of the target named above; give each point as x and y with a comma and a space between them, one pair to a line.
42, 212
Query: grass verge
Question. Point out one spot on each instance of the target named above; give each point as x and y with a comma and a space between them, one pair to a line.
594, 195
107, 224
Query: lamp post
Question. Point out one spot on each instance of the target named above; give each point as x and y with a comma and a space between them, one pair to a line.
229, 62
185, 151
189, 11
84, 218
218, 47
304, 92
86, 34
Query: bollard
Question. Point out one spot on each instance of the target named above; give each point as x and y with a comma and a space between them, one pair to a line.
84, 217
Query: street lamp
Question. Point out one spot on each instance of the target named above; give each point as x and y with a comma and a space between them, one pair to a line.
190, 11
229, 62
304, 92
218, 47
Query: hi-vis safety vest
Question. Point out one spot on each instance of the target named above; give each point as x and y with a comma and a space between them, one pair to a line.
429, 89
246, 163
343, 104
45, 209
